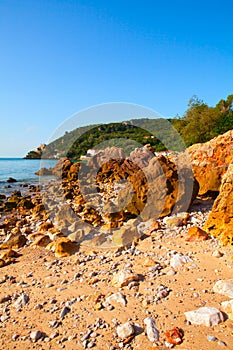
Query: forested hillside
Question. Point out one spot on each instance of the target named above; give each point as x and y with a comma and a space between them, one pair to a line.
200, 123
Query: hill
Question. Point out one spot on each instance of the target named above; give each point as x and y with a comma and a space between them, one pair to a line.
199, 124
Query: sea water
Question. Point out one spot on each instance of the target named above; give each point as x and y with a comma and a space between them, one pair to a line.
23, 170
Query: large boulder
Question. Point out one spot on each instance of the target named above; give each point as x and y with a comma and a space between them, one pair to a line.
210, 161
220, 220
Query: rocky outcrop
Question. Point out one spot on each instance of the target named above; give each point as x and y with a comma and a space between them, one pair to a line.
220, 220
210, 161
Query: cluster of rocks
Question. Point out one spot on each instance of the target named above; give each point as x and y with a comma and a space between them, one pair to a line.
122, 203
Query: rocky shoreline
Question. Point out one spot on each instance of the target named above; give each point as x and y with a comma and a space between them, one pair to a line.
87, 275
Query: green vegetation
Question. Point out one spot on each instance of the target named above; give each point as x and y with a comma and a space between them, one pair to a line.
200, 123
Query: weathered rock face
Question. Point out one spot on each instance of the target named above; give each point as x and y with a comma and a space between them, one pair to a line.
210, 161
151, 191
220, 220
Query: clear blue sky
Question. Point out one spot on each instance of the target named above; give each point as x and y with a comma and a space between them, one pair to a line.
58, 57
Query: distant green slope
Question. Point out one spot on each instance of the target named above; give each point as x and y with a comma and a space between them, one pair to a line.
200, 123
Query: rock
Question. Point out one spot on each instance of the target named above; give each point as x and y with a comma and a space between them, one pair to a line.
220, 220
176, 220
228, 308
142, 155
196, 234
10, 253
14, 241
210, 161
179, 260
45, 226
36, 335
217, 254
125, 330
41, 241
211, 338
125, 235
116, 298
63, 247
224, 287
11, 180
22, 300
64, 311
151, 329
207, 316
174, 336
124, 277
44, 172
2, 263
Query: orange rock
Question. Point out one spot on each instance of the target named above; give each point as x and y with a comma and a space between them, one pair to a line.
41, 241
220, 220
63, 247
10, 253
196, 234
174, 336
210, 161
45, 226
14, 241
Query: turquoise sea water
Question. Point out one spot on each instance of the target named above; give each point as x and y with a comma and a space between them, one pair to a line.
23, 170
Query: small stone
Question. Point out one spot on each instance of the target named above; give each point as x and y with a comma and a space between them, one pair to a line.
116, 298
217, 254
125, 330
222, 343
36, 335
15, 337
171, 272
54, 335
211, 338
124, 277
174, 336
224, 287
208, 316
179, 260
64, 311
228, 308
151, 329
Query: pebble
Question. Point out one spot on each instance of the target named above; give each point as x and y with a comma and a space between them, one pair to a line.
211, 338
125, 330
15, 336
217, 254
151, 329
222, 343
64, 311
36, 335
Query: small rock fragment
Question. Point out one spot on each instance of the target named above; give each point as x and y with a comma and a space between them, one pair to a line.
36, 335
151, 329
125, 330
124, 277
208, 316
116, 298
228, 308
174, 336
224, 287
64, 311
